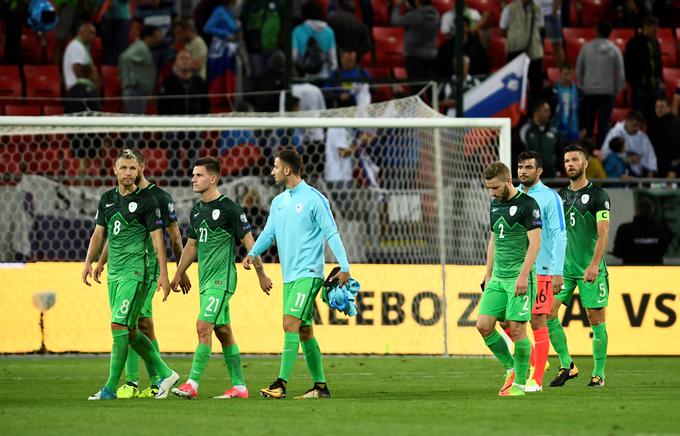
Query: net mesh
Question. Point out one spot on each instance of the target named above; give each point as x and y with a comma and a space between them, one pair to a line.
382, 182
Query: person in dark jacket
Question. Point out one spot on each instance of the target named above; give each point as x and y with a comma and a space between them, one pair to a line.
664, 133
420, 37
644, 241
540, 136
643, 67
183, 92
350, 33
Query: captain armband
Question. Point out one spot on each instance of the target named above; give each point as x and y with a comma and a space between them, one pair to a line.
602, 215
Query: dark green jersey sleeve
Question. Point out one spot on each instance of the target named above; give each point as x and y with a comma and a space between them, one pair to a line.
99, 217
167, 206
601, 206
192, 223
239, 221
152, 214
532, 215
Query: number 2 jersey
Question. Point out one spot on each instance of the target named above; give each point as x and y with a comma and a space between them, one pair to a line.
583, 209
217, 226
510, 222
128, 221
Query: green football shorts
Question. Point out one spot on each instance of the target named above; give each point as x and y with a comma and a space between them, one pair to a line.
215, 306
126, 298
499, 300
147, 307
298, 298
593, 295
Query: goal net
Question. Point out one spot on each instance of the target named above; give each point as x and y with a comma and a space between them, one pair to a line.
403, 181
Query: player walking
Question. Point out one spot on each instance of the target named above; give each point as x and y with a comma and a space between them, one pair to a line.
216, 223
131, 217
510, 280
586, 208
300, 220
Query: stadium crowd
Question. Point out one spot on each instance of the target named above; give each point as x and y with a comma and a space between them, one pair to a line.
605, 73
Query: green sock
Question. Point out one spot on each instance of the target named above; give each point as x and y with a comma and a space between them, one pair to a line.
600, 338
291, 343
132, 366
153, 375
522, 355
146, 351
312, 354
232, 357
500, 349
201, 356
119, 352
558, 339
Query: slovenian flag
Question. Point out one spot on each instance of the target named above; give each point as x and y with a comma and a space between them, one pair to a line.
503, 94
221, 75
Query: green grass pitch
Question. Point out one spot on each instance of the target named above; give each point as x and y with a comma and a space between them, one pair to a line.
371, 396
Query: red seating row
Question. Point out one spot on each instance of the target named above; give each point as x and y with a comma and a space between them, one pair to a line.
42, 81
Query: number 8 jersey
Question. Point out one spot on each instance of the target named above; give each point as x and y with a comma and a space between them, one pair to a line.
216, 226
128, 220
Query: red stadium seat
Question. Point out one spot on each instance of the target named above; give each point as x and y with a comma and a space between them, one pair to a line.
389, 46
97, 51
22, 111
53, 110
595, 10
664, 33
10, 84
32, 50
619, 114
400, 73
671, 79
492, 6
577, 32
443, 6
155, 160
381, 12
498, 55
42, 81
553, 74
574, 39
110, 77
620, 38
384, 92
548, 54
669, 54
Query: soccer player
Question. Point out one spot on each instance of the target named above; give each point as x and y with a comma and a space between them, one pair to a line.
587, 211
549, 262
130, 216
300, 219
167, 207
216, 223
510, 280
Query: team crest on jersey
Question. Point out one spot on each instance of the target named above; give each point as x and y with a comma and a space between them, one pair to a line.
243, 218
536, 213
215, 214
606, 204
132, 206
513, 210
585, 198
298, 207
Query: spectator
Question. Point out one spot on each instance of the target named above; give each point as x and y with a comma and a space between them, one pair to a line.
223, 59
472, 48
420, 36
616, 164
354, 93
552, 21
475, 20
638, 147
77, 54
70, 16
595, 170
539, 136
314, 49
643, 67
339, 164
186, 32
188, 87
568, 102
137, 70
600, 71
627, 14
447, 96
83, 95
261, 20
644, 241
159, 13
114, 17
350, 33
521, 22
664, 132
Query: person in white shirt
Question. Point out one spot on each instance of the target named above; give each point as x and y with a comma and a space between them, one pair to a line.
77, 54
637, 143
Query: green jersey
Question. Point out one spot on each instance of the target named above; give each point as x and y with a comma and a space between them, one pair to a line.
217, 226
510, 222
128, 220
583, 209
168, 215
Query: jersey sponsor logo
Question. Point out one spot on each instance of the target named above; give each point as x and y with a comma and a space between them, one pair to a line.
243, 218
585, 198
299, 207
536, 213
171, 207
215, 214
606, 204
513, 210
132, 206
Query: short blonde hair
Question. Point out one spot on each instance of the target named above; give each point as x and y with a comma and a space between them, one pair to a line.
496, 170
